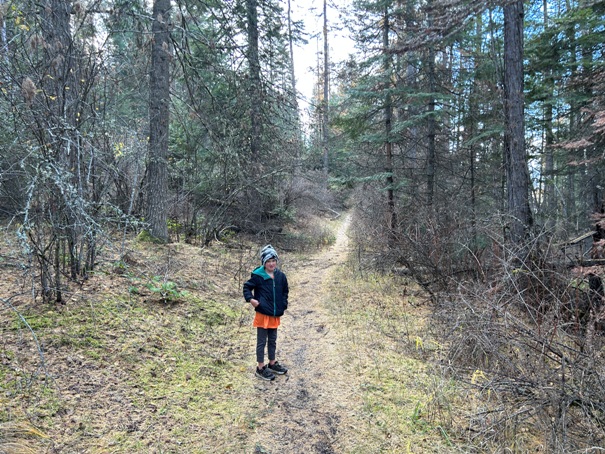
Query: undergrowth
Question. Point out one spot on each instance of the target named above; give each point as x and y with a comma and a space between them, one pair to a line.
408, 406
122, 371
123, 368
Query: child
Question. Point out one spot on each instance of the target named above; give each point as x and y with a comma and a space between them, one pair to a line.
267, 291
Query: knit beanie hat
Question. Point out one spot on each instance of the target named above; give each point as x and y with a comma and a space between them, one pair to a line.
267, 253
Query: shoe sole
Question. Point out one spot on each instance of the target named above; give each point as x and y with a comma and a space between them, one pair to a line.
278, 372
264, 378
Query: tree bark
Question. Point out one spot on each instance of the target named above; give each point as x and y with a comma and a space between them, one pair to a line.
514, 140
326, 98
159, 117
549, 139
255, 91
291, 49
431, 123
388, 118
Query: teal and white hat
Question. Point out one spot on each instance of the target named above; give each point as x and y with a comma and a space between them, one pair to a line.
267, 253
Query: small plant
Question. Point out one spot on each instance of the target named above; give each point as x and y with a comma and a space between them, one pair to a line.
167, 290
146, 237
174, 226
417, 413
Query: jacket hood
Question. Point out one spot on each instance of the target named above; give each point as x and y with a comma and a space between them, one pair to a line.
260, 271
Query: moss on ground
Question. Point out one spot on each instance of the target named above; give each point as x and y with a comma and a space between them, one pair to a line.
122, 371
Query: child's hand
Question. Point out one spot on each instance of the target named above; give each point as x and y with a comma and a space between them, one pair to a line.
254, 303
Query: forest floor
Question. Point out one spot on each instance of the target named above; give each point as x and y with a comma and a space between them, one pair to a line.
117, 369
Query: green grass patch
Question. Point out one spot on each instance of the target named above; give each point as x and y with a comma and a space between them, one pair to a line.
127, 374
407, 404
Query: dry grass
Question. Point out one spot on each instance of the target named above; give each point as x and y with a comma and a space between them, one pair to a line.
408, 407
125, 372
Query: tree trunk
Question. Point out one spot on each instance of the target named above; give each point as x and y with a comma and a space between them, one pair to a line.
159, 108
299, 136
572, 213
592, 174
3, 40
291, 49
388, 118
326, 98
549, 139
514, 140
255, 91
470, 129
431, 125
431, 159
410, 78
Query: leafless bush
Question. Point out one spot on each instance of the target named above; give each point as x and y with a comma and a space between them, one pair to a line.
368, 230
435, 247
532, 333
520, 327
309, 233
11, 195
308, 195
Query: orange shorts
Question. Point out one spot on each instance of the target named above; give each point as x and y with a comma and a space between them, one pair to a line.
265, 321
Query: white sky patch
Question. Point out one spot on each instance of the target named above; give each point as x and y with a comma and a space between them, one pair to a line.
306, 57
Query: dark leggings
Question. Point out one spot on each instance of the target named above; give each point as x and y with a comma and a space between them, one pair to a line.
264, 336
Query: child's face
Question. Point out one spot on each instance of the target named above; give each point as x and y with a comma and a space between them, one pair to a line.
270, 265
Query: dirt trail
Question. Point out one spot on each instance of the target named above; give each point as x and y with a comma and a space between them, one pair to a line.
312, 408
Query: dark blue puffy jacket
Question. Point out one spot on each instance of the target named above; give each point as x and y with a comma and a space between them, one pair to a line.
272, 294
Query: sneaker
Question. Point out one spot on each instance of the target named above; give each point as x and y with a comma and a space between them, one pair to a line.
265, 373
278, 368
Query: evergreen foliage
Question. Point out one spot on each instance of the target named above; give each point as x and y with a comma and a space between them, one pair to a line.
446, 183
